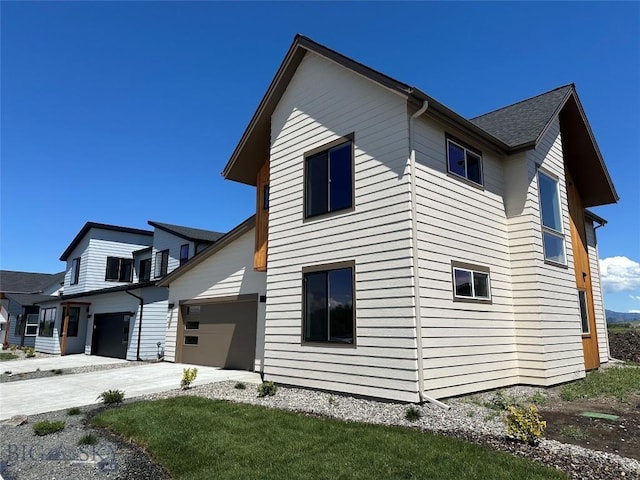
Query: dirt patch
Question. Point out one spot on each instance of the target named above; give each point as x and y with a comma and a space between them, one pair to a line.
625, 345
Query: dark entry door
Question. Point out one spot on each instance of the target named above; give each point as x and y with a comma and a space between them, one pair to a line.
110, 334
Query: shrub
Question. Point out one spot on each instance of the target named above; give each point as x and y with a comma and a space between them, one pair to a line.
240, 386
188, 376
573, 431
73, 411
413, 414
500, 401
538, 398
29, 352
110, 397
525, 423
267, 389
13, 348
88, 439
46, 427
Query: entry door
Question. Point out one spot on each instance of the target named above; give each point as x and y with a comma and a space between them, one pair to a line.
110, 334
584, 294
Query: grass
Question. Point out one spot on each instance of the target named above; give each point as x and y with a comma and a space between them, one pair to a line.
538, 398
197, 438
88, 439
74, 411
615, 382
7, 356
46, 427
573, 431
110, 397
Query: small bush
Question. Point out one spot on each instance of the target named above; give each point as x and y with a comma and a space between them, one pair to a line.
240, 386
88, 439
538, 398
74, 411
29, 352
13, 348
525, 423
573, 431
110, 397
413, 414
46, 427
501, 401
332, 400
267, 389
188, 376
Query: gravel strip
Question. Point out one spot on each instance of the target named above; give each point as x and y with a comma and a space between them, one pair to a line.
467, 419
5, 377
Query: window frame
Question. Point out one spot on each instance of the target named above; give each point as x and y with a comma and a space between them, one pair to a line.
44, 320
185, 259
339, 142
71, 331
75, 271
473, 269
164, 263
584, 312
549, 230
27, 324
120, 270
146, 277
325, 268
466, 148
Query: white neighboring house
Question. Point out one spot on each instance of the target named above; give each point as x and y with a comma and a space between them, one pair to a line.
111, 304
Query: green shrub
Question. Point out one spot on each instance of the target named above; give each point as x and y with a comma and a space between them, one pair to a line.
413, 414
29, 352
46, 427
188, 376
267, 389
74, 411
110, 397
13, 348
240, 386
88, 439
573, 431
501, 401
538, 398
525, 423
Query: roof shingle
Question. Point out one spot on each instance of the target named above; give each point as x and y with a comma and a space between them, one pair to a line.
27, 282
188, 233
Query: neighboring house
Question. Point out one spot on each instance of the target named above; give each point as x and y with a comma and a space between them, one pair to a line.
408, 253
19, 294
111, 305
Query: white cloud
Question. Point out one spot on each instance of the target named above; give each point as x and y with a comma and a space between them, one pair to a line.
634, 311
619, 274
635, 297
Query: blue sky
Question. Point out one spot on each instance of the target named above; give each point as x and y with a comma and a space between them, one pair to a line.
122, 112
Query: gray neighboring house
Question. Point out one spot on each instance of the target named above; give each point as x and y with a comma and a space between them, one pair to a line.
20, 293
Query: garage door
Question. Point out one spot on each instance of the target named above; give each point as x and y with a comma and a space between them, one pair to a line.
220, 334
110, 334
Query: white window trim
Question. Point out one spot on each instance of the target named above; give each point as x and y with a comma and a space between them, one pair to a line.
457, 266
466, 150
552, 231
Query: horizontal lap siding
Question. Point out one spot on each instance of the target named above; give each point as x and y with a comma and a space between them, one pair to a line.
596, 286
166, 241
324, 102
228, 272
467, 346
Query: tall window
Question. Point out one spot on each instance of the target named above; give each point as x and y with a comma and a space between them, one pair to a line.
550, 214
75, 271
47, 322
184, 254
162, 264
464, 162
584, 312
329, 180
144, 273
328, 305
119, 269
74, 322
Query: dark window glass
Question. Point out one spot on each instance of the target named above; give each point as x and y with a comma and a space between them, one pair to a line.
265, 197
329, 180
31, 325
125, 329
328, 297
463, 283
144, 275
20, 325
340, 184
464, 162
162, 263
480, 285
192, 325
317, 185
119, 269
75, 271
184, 253
74, 322
584, 315
190, 340
47, 322
113, 268
126, 269
473, 168
456, 160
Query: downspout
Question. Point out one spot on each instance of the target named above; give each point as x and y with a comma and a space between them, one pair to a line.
416, 269
139, 322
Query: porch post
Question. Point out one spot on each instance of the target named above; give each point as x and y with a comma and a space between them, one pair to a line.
65, 328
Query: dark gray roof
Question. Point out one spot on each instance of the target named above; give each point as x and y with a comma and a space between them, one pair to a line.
30, 298
27, 282
102, 226
522, 123
101, 291
188, 233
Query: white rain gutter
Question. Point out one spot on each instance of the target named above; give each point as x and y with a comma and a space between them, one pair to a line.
416, 269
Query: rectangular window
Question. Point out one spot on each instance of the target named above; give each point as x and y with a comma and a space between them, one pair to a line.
75, 271
190, 340
162, 264
20, 325
329, 180
464, 162
265, 197
47, 322
584, 311
74, 321
144, 273
119, 269
184, 253
550, 215
31, 329
192, 325
470, 283
328, 305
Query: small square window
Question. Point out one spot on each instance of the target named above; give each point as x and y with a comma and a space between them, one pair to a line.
471, 283
464, 162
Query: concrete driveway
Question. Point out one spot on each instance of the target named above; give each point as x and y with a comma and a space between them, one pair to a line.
28, 397
52, 362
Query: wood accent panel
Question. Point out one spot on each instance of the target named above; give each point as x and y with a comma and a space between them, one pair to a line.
582, 271
262, 220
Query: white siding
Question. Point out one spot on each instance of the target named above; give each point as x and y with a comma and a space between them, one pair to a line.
596, 286
323, 102
467, 346
50, 344
228, 272
166, 241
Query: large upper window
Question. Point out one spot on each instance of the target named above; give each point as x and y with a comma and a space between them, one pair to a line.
119, 269
464, 162
328, 305
471, 282
550, 214
162, 264
329, 180
75, 271
184, 253
47, 322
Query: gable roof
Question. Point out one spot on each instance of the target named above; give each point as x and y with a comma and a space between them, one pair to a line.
101, 226
523, 123
27, 282
222, 242
31, 298
188, 233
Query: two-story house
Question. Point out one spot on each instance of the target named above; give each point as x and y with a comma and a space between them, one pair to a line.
111, 304
400, 250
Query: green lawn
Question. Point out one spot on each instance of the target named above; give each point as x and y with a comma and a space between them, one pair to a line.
198, 438
614, 382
